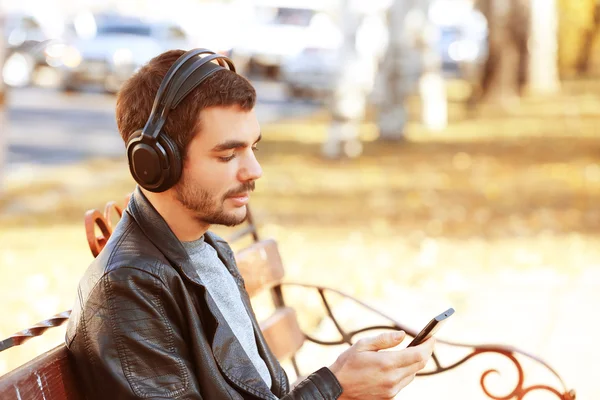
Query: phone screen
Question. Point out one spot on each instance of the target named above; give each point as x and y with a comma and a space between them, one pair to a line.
431, 328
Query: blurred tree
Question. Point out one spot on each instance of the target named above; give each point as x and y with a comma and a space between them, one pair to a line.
523, 49
393, 83
3, 133
505, 72
589, 38
576, 23
347, 99
351, 87
432, 88
543, 48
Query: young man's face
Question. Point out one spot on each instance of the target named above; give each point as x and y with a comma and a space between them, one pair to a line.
221, 167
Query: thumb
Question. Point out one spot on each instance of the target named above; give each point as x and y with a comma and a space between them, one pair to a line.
383, 341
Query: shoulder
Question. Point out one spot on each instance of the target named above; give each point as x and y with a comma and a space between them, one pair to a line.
129, 246
129, 258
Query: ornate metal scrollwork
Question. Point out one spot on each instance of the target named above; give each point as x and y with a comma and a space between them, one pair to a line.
36, 330
519, 392
93, 219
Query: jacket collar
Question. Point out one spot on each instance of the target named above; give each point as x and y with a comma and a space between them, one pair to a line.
228, 351
160, 234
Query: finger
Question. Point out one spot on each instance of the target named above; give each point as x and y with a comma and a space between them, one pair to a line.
403, 383
424, 353
415, 367
383, 341
427, 346
413, 355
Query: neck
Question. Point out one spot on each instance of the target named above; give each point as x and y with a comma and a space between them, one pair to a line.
182, 221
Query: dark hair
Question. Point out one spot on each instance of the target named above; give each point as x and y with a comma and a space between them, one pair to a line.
135, 99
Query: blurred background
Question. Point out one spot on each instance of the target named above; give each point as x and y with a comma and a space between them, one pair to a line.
419, 154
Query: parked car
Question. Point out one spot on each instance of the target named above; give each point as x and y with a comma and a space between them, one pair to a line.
314, 71
461, 45
311, 73
26, 44
463, 38
114, 50
277, 31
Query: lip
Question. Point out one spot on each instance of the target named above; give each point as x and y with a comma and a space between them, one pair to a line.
240, 199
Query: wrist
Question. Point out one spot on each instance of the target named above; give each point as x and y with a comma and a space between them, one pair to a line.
334, 369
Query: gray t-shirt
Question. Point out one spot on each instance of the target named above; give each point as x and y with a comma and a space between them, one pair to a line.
223, 289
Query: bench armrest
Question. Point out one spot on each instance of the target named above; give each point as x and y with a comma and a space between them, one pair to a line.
36, 330
472, 350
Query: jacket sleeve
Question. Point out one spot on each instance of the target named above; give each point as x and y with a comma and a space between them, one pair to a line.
133, 344
321, 385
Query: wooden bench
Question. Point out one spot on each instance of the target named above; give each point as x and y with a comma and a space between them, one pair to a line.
50, 376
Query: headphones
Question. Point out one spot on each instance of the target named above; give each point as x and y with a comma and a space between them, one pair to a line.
153, 157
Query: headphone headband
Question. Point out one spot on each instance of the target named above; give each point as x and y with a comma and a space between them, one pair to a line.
199, 69
162, 108
199, 73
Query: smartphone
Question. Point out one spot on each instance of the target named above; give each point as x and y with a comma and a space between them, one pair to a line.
431, 328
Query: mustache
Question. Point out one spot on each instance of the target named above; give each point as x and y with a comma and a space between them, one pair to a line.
246, 187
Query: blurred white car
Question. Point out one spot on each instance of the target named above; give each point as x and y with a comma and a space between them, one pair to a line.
112, 49
277, 31
311, 73
462, 40
323, 64
26, 41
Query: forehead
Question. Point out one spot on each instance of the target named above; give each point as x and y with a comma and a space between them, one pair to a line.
220, 124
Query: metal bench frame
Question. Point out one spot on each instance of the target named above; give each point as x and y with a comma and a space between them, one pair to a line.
50, 376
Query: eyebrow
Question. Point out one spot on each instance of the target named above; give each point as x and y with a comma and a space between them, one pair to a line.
233, 144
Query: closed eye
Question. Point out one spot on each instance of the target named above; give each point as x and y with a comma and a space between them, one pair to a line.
233, 155
227, 158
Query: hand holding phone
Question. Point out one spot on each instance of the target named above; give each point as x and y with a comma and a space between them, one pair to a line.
431, 328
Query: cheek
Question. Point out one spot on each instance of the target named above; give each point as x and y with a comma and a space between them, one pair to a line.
213, 177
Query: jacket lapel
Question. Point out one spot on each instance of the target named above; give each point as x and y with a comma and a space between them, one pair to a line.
227, 350
161, 235
280, 383
279, 380
234, 363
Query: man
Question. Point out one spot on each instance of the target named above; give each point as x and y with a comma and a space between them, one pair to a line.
162, 312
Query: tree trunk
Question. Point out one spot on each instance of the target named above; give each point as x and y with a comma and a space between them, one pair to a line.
543, 62
583, 61
3, 128
393, 83
432, 86
348, 97
505, 72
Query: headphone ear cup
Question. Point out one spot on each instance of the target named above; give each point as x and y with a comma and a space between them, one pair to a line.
143, 160
174, 161
155, 164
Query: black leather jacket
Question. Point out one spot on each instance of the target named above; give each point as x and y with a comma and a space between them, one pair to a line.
144, 326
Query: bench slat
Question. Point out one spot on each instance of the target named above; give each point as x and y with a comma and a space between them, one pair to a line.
282, 333
260, 265
47, 377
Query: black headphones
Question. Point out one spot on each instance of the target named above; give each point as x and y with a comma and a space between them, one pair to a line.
153, 157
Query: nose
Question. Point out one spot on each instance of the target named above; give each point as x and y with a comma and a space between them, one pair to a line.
251, 169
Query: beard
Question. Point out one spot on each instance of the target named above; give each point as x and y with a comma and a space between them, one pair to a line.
208, 208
